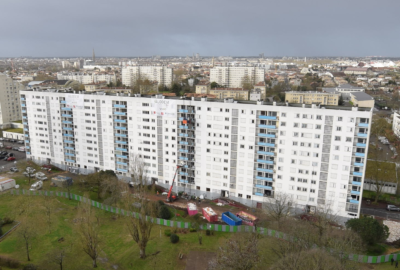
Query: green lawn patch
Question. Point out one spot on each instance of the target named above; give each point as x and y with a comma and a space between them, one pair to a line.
15, 130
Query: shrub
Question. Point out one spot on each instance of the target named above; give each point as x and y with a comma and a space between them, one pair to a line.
167, 233
174, 238
193, 230
163, 212
208, 232
7, 220
30, 267
8, 262
160, 203
369, 229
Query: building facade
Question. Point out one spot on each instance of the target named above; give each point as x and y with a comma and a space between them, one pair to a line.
235, 93
312, 97
396, 124
162, 74
88, 77
243, 150
233, 76
10, 109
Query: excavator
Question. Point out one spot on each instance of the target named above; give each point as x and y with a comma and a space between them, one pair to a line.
170, 196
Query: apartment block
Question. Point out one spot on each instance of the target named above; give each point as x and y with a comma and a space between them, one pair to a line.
396, 124
244, 150
233, 76
9, 102
88, 77
162, 74
235, 93
312, 97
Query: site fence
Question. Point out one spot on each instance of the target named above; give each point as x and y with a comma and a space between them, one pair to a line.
187, 225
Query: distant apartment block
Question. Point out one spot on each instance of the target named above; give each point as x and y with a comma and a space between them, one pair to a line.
312, 97
358, 71
161, 74
203, 87
344, 90
362, 99
88, 77
244, 150
396, 124
235, 93
10, 109
233, 76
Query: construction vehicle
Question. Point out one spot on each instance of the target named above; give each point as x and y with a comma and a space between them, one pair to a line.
170, 196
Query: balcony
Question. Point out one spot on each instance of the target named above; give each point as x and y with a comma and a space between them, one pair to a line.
23, 111
362, 135
67, 141
22, 99
357, 173
183, 181
27, 141
183, 150
26, 135
69, 148
266, 144
183, 158
264, 178
266, 117
26, 129
264, 187
266, 135
119, 121
183, 135
69, 154
183, 142
363, 124
356, 183
68, 135
121, 142
63, 102
184, 127
183, 111
121, 170
361, 145
265, 161
119, 106
121, 156
70, 160
358, 164
66, 115
23, 105
25, 123
120, 113
27, 147
353, 201
183, 173
23, 117
120, 128
360, 154
258, 194
122, 163
265, 153
66, 109
28, 153
265, 170
181, 118
120, 135
67, 128
121, 149
267, 126
66, 122
354, 192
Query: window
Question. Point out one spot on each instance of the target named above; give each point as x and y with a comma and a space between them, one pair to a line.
296, 125
312, 190
338, 128
291, 178
318, 126
316, 145
340, 118
295, 143
283, 114
348, 139
295, 134
317, 136
297, 115
313, 182
283, 124
248, 197
319, 117
337, 138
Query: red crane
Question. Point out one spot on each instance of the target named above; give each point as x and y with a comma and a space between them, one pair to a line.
170, 197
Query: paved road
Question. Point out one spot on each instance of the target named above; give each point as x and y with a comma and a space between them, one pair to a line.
381, 213
6, 165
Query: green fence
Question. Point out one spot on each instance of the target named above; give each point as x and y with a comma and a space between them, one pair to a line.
213, 227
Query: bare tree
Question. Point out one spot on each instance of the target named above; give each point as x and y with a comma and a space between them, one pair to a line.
279, 207
48, 204
27, 232
58, 257
140, 228
89, 232
112, 189
239, 253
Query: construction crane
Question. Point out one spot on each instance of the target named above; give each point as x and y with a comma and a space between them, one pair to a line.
170, 197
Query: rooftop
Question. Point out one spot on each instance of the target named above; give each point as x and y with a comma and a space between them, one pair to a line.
344, 108
361, 96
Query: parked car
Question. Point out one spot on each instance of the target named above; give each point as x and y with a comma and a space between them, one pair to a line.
3, 157
21, 149
13, 169
30, 169
20, 142
13, 141
11, 159
15, 148
40, 175
1, 139
8, 147
36, 186
3, 153
392, 208
10, 155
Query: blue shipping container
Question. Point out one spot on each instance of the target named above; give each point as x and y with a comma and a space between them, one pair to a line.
231, 219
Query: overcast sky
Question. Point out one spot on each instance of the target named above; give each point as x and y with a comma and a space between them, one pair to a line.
208, 27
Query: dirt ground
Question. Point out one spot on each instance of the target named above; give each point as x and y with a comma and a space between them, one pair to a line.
198, 260
182, 204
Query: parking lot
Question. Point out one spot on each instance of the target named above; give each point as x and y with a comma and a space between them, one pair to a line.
6, 165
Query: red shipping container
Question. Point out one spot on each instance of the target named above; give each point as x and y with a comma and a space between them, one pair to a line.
210, 215
192, 209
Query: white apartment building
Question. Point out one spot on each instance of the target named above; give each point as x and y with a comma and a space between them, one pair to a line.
243, 150
162, 74
396, 124
9, 102
88, 77
233, 76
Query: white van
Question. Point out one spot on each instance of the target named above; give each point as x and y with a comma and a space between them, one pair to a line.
21, 149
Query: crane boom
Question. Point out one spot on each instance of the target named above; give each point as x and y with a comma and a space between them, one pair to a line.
169, 197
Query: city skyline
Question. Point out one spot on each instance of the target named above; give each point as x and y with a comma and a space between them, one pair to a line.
307, 28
